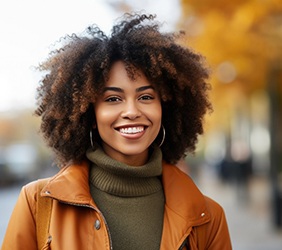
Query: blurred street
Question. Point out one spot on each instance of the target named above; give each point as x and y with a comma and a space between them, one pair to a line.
248, 212
8, 198
248, 216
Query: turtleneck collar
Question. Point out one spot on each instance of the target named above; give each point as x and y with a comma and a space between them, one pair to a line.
119, 179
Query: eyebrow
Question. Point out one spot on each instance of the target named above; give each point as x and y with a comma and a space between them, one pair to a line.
120, 90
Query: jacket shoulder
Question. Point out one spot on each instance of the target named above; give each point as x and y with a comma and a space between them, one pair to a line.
214, 208
215, 233
30, 193
30, 190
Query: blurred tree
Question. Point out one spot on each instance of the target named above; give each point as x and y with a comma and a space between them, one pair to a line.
241, 40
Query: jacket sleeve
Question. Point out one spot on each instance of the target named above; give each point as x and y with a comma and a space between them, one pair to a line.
21, 230
218, 234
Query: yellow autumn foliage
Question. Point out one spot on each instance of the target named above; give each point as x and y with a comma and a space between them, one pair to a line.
242, 41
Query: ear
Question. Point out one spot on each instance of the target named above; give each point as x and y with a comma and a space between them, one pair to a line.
94, 125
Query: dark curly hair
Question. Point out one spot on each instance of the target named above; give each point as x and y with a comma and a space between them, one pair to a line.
75, 75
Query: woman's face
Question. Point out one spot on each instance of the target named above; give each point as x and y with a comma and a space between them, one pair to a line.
128, 116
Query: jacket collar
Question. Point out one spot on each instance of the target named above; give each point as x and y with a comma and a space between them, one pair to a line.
70, 185
182, 195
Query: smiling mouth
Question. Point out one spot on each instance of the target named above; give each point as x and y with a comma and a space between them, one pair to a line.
132, 130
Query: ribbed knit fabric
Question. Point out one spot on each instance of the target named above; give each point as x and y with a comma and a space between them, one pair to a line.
131, 199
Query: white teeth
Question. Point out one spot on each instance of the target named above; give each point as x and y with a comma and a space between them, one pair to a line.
131, 130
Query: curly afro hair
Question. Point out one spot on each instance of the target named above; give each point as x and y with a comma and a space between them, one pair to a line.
75, 75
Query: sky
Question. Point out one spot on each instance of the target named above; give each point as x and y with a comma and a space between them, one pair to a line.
28, 28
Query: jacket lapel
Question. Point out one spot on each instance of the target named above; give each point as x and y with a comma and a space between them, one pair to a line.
185, 207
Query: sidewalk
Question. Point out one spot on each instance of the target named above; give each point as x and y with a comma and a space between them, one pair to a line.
249, 220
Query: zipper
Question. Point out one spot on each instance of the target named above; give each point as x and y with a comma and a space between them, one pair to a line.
95, 209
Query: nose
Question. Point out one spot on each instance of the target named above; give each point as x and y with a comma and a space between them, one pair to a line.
131, 110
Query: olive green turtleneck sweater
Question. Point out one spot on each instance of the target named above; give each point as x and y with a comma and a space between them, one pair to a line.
130, 198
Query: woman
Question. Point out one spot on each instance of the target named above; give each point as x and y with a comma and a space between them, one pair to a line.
118, 111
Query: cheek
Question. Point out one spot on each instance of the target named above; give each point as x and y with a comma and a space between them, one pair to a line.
103, 115
154, 114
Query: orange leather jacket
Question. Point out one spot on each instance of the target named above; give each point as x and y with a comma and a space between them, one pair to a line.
191, 220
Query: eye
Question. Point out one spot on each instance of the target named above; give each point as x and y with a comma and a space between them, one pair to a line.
113, 99
146, 97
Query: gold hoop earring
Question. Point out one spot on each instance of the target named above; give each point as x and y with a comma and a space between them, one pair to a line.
91, 139
163, 137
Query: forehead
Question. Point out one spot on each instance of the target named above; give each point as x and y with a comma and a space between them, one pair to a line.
119, 75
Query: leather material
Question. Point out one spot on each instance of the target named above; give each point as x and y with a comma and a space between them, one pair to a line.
189, 215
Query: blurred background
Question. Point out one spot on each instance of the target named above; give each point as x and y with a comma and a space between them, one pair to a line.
238, 161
